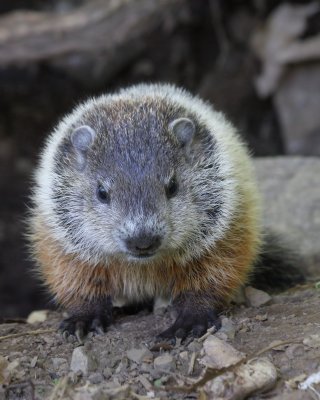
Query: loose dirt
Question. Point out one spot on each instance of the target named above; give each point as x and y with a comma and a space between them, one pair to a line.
122, 363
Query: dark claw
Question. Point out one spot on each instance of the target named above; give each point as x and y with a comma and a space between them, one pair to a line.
79, 324
189, 322
79, 327
99, 330
97, 326
67, 327
80, 337
65, 335
80, 331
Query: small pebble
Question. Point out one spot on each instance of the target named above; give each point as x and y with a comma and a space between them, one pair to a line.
138, 355
33, 361
95, 378
256, 297
294, 382
37, 316
146, 367
184, 355
145, 382
228, 328
82, 360
219, 354
195, 346
107, 372
58, 361
164, 363
261, 317
312, 341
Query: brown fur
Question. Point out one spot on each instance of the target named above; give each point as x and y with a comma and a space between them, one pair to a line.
216, 276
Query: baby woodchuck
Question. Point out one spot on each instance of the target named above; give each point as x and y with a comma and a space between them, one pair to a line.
147, 192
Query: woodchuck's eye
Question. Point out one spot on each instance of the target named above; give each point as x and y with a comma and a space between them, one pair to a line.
172, 187
102, 194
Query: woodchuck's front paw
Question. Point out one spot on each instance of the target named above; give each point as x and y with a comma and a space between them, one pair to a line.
81, 322
191, 322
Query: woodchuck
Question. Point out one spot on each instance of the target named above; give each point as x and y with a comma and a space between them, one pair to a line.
147, 192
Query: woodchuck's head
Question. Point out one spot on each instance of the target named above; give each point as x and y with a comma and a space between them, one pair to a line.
139, 179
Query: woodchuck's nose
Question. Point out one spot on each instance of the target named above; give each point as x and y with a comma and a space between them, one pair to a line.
143, 244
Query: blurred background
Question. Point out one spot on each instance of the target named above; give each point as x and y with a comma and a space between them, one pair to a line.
257, 60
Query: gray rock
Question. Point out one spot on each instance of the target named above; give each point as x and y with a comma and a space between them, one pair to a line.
221, 335
228, 327
146, 367
107, 372
184, 355
297, 102
257, 375
58, 361
164, 363
137, 355
95, 378
256, 297
219, 354
277, 44
291, 195
33, 361
123, 365
82, 360
195, 346
312, 341
4, 375
83, 396
145, 382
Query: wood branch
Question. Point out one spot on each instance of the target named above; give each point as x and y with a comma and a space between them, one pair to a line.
113, 29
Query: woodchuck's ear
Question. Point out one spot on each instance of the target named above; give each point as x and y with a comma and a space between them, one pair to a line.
184, 130
82, 138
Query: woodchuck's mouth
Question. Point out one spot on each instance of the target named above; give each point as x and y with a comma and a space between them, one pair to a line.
140, 256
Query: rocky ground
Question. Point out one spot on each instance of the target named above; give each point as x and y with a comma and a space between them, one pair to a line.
267, 343
273, 347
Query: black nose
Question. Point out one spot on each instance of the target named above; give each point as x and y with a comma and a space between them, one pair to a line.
143, 245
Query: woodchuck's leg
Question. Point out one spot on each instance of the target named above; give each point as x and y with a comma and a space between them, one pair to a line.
93, 316
195, 316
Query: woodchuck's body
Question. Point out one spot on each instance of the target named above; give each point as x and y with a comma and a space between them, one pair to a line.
145, 193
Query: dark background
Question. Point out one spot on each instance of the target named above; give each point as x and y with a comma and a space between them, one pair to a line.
204, 46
